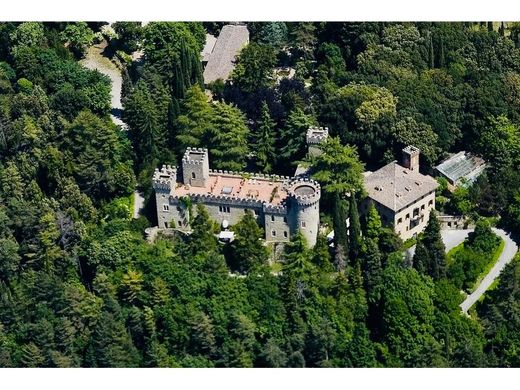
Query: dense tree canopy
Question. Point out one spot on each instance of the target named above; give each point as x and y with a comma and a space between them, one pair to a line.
81, 287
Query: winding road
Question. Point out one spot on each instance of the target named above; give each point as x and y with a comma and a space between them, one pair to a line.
452, 238
95, 59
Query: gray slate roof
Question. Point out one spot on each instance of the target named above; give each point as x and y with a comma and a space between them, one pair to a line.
395, 186
461, 165
231, 40
208, 47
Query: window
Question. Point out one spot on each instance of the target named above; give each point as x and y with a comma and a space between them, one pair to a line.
400, 220
272, 218
430, 203
285, 234
256, 213
166, 207
303, 224
193, 175
285, 219
273, 233
180, 223
422, 207
416, 212
407, 216
224, 209
166, 225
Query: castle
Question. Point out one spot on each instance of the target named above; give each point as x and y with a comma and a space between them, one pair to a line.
282, 205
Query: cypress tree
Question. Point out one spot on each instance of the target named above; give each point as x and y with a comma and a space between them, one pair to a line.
431, 54
372, 222
433, 243
340, 233
178, 87
421, 258
354, 228
171, 127
372, 271
185, 62
264, 141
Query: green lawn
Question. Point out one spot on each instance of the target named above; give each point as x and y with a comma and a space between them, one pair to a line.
467, 268
490, 265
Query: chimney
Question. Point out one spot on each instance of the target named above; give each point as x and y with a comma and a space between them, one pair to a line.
411, 158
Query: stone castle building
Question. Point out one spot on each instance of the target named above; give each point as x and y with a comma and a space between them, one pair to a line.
403, 197
282, 205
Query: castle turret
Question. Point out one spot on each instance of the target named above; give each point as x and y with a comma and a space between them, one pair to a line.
195, 167
315, 136
304, 197
411, 158
163, 181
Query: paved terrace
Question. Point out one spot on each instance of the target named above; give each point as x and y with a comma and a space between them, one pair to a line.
261, 189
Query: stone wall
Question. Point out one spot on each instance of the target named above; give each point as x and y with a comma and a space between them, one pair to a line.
406, 224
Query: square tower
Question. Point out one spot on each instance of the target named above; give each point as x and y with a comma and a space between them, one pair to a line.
411, 158
314, 137
195, 167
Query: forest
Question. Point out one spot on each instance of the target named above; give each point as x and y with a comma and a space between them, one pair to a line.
80, 286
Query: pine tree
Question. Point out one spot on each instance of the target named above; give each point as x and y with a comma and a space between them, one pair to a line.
142, 117
354, 228
228, 144
247, 249
202, 238
321, 254
264, 143
195, 122
292, 138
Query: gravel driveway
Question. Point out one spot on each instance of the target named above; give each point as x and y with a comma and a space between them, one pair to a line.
452, 238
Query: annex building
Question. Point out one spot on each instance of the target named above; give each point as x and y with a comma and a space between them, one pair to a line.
282, 205
403, 197
218, 54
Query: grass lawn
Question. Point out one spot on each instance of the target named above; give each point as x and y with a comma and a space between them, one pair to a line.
475, 266
490, 265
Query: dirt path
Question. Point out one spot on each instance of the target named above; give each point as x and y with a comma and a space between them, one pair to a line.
95, 59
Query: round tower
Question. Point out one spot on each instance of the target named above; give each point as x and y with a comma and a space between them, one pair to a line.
304, 196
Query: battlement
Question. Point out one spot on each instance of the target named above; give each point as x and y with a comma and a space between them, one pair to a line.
195, 156
275, 209
195, 167
304, 191
162, 179
316, 135
220, 199
250, 175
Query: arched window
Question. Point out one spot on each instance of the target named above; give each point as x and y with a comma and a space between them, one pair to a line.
193, 175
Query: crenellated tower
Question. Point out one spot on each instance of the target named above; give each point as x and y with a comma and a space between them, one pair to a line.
163, 181
195, 167
314, 137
